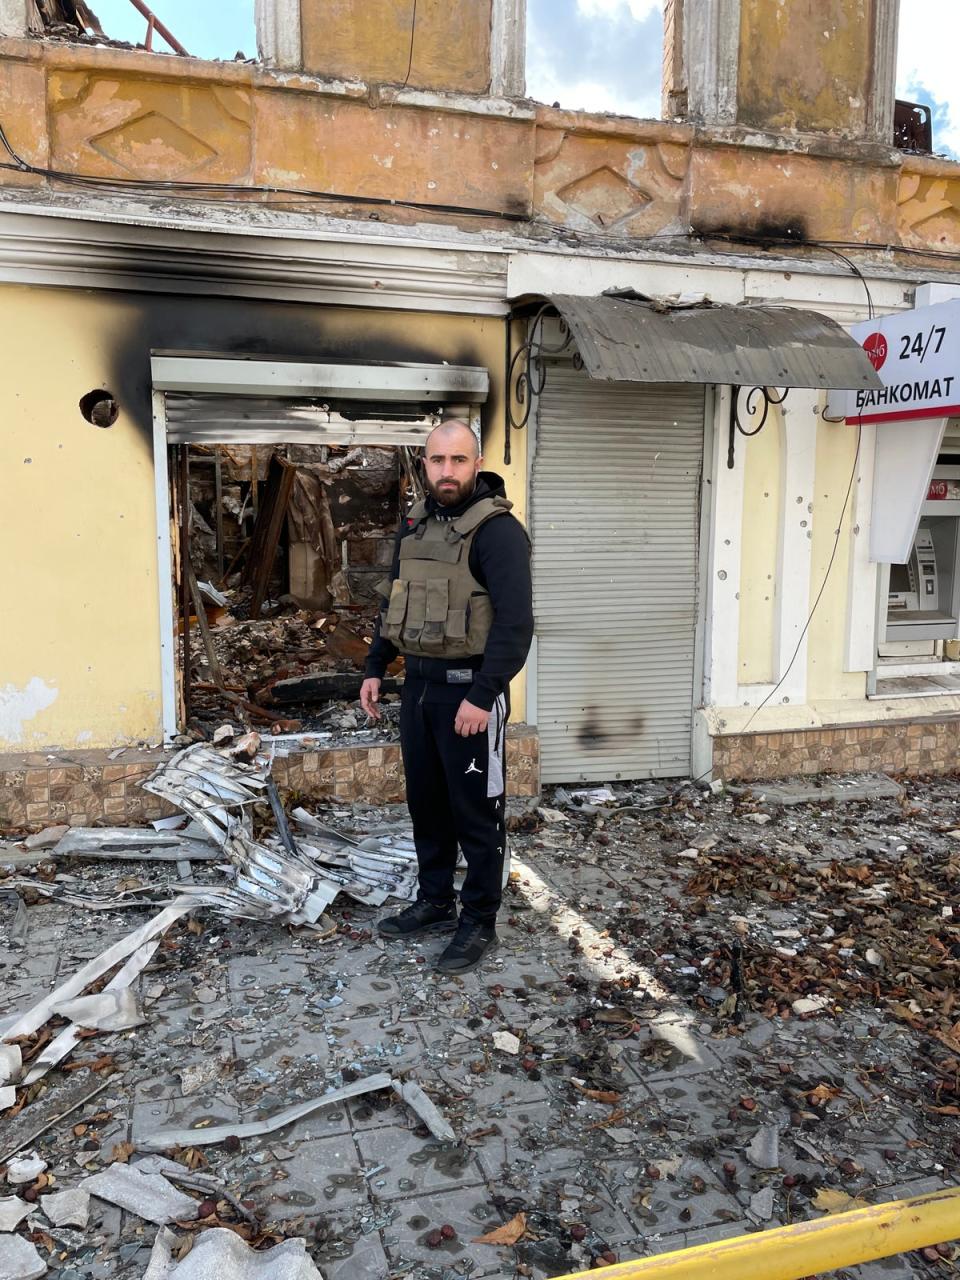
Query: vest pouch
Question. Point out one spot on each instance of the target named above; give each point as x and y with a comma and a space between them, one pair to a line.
435, 621
416, 614
457, 626
479, 621
391, 626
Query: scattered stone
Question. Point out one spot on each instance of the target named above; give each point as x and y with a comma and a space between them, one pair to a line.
810, 1004
13, 1210
506, 1042
763, 1149
761, 1205
67, 1208
25, 1168
48, 838
148, 1195
246, 747
19, 1260
225, 733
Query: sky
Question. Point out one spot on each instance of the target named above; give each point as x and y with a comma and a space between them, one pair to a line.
597, 55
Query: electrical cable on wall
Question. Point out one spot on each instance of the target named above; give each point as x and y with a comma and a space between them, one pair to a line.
413, 36
163, 186
182, 187
823, 585
836, 542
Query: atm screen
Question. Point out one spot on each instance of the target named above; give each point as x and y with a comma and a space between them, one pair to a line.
899, 579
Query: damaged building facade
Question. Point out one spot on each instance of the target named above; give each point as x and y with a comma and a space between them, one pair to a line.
236, 296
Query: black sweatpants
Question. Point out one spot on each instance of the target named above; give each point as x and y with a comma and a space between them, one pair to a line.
455, 794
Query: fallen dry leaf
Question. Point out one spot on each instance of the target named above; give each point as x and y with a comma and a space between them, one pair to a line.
831, 1201
509, 1233
945, 1111
103, 1063
122, 1151
949, 1038
822, 1094
609, 1096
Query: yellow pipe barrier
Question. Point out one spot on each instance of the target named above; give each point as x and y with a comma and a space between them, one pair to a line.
805, 1248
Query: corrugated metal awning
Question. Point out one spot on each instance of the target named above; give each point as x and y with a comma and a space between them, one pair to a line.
632, 340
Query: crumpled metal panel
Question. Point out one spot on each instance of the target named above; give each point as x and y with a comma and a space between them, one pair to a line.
622, 340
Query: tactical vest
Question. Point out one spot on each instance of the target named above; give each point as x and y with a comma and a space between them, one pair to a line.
437, 609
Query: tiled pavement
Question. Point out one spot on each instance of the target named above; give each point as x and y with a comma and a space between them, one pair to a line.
245, 1019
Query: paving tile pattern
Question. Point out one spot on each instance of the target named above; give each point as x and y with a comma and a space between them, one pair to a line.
610, 1134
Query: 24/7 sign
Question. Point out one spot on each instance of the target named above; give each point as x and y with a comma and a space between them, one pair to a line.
917, 354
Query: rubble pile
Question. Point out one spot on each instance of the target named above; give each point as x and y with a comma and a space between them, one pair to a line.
684, 1034
288, 551
298, 671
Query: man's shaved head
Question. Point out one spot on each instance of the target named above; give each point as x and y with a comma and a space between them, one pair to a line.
451, 461
451, 432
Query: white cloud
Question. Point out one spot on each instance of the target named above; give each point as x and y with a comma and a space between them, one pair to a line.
927, 62
638, 9
583, 94
595, 55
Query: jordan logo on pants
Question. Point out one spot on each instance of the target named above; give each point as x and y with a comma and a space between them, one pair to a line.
472, 767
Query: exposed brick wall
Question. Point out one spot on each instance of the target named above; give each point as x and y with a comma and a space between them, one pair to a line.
88, 789
918, 746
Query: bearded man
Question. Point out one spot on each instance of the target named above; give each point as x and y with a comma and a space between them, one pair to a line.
460, 610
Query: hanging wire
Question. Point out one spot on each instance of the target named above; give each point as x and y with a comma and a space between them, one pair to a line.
413, 36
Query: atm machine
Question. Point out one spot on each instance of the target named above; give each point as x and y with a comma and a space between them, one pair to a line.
923, 601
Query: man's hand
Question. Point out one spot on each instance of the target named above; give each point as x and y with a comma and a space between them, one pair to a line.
370, 697
470, 719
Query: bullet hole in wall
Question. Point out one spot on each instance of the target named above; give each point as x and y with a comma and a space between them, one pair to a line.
99, 408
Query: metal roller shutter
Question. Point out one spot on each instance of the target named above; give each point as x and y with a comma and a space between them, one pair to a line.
615, 520
225, 419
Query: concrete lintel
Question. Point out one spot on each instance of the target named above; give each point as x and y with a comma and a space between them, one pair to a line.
711, 39
822, 146
508, 28
883, 86
278, 33
466, 103
262, 77
117, 251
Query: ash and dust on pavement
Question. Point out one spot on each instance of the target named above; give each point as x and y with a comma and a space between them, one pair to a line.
708, 1014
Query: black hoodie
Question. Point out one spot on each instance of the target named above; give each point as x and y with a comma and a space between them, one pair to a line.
500, 562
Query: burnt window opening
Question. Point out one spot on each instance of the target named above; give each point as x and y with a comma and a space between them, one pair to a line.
288, 547
99, 408
913, 127
136, 24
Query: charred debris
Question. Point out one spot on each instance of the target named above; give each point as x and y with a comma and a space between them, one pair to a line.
287, 548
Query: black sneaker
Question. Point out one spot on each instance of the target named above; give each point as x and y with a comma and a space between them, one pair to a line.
470, 944
419, 917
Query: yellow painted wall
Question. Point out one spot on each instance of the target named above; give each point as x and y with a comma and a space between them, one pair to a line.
826, 678
805, 65
120, 113
79, 656
448, 47
762, 502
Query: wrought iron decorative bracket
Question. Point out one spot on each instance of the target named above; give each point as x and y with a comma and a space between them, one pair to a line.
527, 373
769, 397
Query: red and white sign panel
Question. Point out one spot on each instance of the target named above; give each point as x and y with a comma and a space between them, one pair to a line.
917, 354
